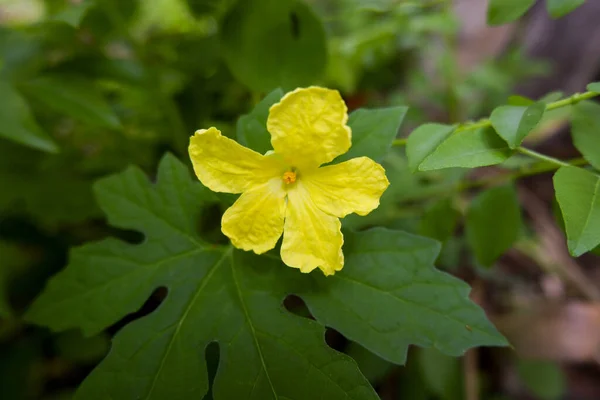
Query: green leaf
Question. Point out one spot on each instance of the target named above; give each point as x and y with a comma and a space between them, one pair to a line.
74, 96
594, 87
559, 8
373, 132
390, 296
503, 11
516, 100
578, 195
543, 378
215, 294
18, 123
439, 220
374, 368
72, 12
493, 223
585, 129
251, 128
468, 149
514, 123
274, 43
425, 140
442, 374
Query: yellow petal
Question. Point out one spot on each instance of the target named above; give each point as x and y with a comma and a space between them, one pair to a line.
352, 186
311, 237
255, 221
223, 165
308, 126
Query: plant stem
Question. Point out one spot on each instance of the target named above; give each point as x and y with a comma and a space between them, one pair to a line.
543, 157
484, 123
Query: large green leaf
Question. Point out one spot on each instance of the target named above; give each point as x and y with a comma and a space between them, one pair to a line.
585, 130
468, 149
74, 96
251, 128
234, 298
390, 296
503, 11
274, 43
493, 223
578, 195
373, 132
18, 123
514, 123
425, 140
558, 8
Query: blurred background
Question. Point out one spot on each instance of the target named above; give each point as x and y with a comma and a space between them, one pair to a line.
88, 87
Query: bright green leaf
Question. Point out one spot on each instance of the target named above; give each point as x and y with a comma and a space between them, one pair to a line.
390, 296
559, 8
251, 128
544, 379
74, 96
468, 149
585, 123
594, 87
493, 223
18, 123
425, 140
214, 294
373, 132
578, 195
514, 123
504, 11
274, 43
517, 100
439, 220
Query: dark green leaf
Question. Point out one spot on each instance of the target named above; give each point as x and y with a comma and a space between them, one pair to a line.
374, 368
251, 128
74, 96
274, 43
559, 8
214, 294
18, 124
72, 346
493, 223
578, 195
373, 132
594, 87
390, 296
543, 378
439, 220
503, 11
585, 130
425, 140
468, 149
514, 123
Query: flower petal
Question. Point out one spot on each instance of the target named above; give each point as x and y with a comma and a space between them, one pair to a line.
352, 186
308, 126
311, 237
223, 165
255, 221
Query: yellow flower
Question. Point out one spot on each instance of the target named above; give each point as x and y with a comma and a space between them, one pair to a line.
286, 191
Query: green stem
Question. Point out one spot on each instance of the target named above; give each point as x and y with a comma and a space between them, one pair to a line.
543, 157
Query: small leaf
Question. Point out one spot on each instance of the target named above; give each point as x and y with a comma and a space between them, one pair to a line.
74, 96
559, 8
543, 378
373, 132
425, 140
585, 129
18, 123
493, 223
594, 87
269, 44
468, 149
578, 195
517, 100
503, 11
439, 220
389, 296
251, 129
514, 123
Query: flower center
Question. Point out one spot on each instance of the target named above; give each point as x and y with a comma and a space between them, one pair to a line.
289, 177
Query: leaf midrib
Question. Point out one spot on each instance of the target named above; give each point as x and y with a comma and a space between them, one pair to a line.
591, 211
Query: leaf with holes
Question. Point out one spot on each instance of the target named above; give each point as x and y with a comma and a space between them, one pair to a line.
387, 297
